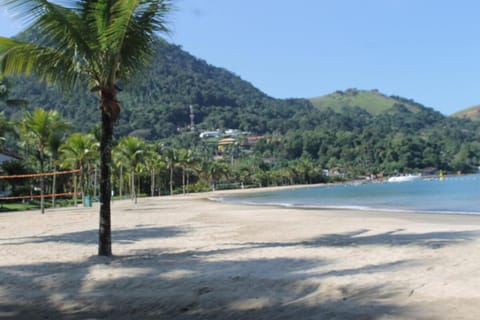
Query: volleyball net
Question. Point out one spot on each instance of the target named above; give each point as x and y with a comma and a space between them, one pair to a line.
25, 182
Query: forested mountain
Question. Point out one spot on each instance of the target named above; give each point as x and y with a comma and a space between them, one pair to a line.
359, 131
156, 101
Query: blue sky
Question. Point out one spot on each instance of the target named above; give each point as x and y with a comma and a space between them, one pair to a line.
425, 50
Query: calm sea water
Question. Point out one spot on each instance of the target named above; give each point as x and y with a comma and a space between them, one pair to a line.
457, 194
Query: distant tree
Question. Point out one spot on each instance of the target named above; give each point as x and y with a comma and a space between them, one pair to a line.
130, 150
185, 161
153, 163
79, 151
39, 130
170, 155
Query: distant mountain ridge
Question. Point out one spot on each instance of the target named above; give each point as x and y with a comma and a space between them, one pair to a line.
155, 102
363, 131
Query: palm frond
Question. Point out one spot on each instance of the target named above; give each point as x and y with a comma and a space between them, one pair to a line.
104, 39
134, 36
148, 21
46, 63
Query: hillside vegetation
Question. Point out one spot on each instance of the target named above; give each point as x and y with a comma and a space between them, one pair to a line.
156, 101
354, 131
472, 113
372, 101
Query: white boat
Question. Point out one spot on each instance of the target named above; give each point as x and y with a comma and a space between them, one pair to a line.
409, 177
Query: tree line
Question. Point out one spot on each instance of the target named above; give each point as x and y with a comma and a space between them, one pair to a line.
45, 143
338, 145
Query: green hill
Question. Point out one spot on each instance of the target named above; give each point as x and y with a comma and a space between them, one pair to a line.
472, 113
371, 101
362, 131
155, 102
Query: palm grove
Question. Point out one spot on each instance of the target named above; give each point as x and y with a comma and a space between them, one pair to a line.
154, 150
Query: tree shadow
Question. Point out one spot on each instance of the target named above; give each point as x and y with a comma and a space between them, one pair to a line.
210, 284
433, 240
91, 236
187, 288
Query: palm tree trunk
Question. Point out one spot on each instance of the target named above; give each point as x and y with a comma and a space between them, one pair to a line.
171, 180
159, 183
183, 179
134, 192
138, 188
120, 184
75, 189
105, 237
95, 180
42, 198
42, 185
54, 187
152, 183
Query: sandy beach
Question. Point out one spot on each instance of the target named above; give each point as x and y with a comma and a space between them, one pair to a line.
185, 257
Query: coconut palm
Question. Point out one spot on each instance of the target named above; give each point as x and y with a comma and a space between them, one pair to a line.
153, 163
130, 151
185, 161
214, 171
101, 40
170, 156
54, 143
40, 129
118, 166
80, 151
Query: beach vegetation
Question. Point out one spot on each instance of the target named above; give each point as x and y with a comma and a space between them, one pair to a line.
42, 133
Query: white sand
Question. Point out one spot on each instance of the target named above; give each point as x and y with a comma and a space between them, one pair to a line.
184, 257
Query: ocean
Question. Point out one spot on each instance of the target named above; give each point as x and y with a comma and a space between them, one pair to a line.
453, 194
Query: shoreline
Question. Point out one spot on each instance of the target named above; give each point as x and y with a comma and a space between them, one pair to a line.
219, 196
187, 257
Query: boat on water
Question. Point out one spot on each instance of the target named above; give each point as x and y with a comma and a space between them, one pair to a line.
405, 178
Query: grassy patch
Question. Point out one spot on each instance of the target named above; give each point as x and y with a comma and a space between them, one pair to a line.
372, 101
4, 207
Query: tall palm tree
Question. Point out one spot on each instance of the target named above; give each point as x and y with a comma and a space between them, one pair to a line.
153, 162
101, 40
215, 170
171, 159
130, 150
185, 161
40, 129
79, 152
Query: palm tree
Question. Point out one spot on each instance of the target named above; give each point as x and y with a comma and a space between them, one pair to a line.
79, 151
185, 161
153, 162
171, 159
118, 165
215, 170
40, 129
101, 40
130, 151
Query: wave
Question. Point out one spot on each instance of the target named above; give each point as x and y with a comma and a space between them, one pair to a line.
339, 207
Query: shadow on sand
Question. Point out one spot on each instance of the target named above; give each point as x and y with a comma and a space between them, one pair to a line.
193, 284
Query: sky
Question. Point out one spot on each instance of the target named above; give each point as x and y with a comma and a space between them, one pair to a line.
424, 50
